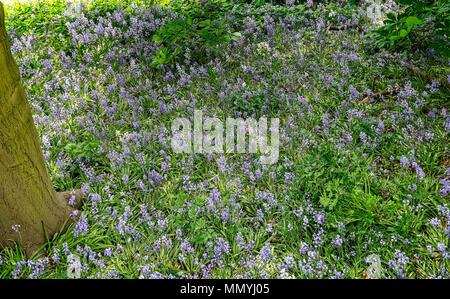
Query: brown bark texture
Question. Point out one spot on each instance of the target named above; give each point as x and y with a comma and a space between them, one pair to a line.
30, 209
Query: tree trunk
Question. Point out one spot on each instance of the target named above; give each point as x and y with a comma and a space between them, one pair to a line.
30, 209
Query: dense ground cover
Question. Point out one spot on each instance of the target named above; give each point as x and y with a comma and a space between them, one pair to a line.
361, 187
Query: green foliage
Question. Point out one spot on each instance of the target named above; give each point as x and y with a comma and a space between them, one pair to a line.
44, 16
252, 105
38, 18
84, 149
366, 195
420, 24
409, 23
201, 25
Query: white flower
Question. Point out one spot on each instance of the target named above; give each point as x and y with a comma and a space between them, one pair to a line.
375, 270
263, 48
16, 228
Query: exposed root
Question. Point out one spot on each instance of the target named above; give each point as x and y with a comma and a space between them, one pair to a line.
74, 199
71, 202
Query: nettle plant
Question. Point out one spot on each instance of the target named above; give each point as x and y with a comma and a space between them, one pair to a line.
419, 24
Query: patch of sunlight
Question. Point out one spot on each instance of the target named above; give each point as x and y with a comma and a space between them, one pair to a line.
12, 2
8, 2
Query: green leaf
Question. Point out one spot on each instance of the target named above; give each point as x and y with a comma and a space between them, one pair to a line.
161, 56
412, 21
394, 37
236, 36
403, 33
204, 23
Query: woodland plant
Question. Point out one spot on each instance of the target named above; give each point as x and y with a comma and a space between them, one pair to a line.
419, 24
361, 187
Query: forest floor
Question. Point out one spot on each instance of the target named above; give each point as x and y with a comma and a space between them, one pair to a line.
360, 188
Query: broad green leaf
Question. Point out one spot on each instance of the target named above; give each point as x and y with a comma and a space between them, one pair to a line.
412, 21
403, 33
394, 37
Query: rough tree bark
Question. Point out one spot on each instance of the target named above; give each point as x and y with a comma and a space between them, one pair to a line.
30, 209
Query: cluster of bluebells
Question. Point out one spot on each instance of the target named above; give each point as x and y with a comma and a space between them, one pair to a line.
168, 215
